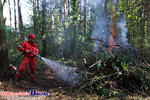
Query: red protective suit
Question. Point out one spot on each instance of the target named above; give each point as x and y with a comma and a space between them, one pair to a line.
28, 59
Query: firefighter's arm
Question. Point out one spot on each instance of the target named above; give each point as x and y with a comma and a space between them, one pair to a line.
22, 48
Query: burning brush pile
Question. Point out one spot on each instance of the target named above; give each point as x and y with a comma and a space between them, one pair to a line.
116, 67
112, 74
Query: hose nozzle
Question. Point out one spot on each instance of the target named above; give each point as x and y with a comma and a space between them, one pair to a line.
13, 67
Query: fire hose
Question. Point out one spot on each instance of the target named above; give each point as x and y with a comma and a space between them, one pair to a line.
11, 66
36, 54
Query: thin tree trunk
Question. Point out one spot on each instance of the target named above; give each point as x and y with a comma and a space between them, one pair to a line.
38, 6
10, 16
3, 46
65, 8
75, 11
38, 23
148, 22
35, 16
84, 16
44, 45
15, 18
61, 7
65, 27
20, 16
68, 6
65, 16
79, 4
142, 25
106, 23
52, 14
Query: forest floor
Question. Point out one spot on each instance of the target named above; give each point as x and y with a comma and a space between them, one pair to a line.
47, 82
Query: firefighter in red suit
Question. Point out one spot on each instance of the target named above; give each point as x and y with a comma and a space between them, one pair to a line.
29, 58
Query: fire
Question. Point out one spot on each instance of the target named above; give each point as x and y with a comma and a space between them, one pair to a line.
112, 39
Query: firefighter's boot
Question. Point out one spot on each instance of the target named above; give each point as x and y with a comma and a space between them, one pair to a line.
15, 81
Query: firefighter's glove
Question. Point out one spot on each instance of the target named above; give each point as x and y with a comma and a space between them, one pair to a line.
27, 51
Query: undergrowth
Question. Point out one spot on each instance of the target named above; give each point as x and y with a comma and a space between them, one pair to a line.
115, 74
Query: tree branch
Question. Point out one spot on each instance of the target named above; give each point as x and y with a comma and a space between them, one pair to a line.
4, 2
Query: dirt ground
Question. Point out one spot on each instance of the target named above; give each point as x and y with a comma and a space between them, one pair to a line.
47, 82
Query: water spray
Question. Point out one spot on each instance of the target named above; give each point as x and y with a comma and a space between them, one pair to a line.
65, 73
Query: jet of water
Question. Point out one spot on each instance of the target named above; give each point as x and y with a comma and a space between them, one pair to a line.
66, 73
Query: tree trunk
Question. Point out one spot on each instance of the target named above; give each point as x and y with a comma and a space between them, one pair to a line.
35, 16
106, 23
148, 22
61, 7
65, 8
79, 5
44, 46
68, 6
65, 27
15, 18
65, 16
142, 25
3, 46
52, 14
20, 16
84, 16
38, 6
148, 18
74, 25
10, 16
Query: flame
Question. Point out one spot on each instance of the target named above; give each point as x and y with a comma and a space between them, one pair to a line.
112, 39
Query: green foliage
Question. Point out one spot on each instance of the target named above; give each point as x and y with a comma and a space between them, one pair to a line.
115, 73
74, 7
136, 23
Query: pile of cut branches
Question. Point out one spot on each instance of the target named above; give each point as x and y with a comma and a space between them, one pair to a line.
113, 74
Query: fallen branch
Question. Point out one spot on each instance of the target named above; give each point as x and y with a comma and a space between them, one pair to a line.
94, 64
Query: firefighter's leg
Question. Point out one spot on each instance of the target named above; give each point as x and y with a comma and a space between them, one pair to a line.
22, 68
32, 69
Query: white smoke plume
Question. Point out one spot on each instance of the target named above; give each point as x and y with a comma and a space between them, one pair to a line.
100, 30
123, 41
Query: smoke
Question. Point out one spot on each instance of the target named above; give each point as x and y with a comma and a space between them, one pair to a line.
98, 33
64, 73
123, 41
100, 30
